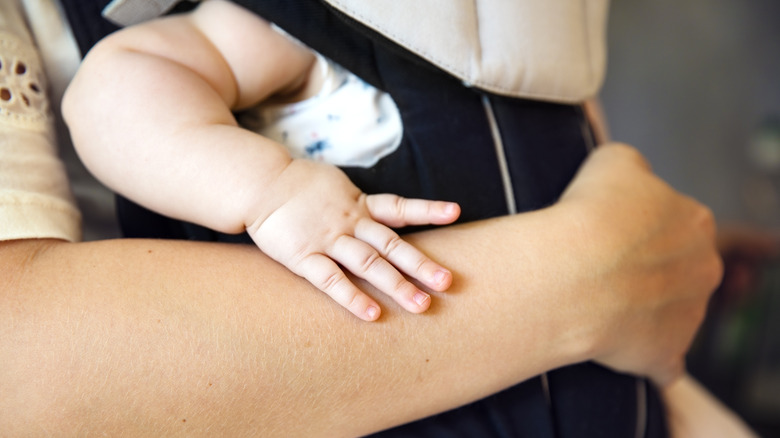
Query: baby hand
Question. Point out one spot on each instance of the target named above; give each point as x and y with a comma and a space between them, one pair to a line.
321, 220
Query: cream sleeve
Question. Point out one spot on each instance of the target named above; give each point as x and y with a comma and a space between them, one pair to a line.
35, 198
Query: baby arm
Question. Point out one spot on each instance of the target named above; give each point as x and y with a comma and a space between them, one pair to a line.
150, 112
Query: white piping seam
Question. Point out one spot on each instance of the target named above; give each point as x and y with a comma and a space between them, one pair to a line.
546, 389
587, 132
506, 179
509, 194
641, 408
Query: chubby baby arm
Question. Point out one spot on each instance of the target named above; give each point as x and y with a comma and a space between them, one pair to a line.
150, 112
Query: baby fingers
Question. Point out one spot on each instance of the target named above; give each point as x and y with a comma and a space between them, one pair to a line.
397, 211
326, 275
365, 262
403, 255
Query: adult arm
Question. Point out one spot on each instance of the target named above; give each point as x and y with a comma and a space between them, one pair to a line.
695, 413
183, 338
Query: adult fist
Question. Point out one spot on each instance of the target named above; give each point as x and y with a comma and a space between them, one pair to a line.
653, 263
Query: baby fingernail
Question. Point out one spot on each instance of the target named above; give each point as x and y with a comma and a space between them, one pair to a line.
448, 209
439, 276
372, 312
421, 298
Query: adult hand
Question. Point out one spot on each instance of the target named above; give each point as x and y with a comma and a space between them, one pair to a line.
654, 263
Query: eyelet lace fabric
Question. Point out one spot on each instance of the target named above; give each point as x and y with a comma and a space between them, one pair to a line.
23, 101
35, 199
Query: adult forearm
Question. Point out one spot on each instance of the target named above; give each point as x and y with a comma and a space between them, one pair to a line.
162, 337
174, 337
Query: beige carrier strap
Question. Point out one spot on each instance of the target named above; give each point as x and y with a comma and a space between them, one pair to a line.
550, 50
129, 12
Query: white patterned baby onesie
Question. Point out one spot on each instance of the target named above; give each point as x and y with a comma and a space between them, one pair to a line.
347, 123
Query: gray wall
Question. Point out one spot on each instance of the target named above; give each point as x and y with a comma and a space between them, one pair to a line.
688, 83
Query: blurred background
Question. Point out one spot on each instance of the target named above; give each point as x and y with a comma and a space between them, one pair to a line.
695, 85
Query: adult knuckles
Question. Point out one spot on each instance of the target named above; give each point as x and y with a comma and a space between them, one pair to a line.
704, 274
629, 153
711, 265
705, 220
700, 216
715, 270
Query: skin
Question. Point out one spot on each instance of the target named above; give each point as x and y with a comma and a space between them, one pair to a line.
143, 337
192, 71
694, 413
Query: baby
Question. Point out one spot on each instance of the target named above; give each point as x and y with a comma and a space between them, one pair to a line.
151, 112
